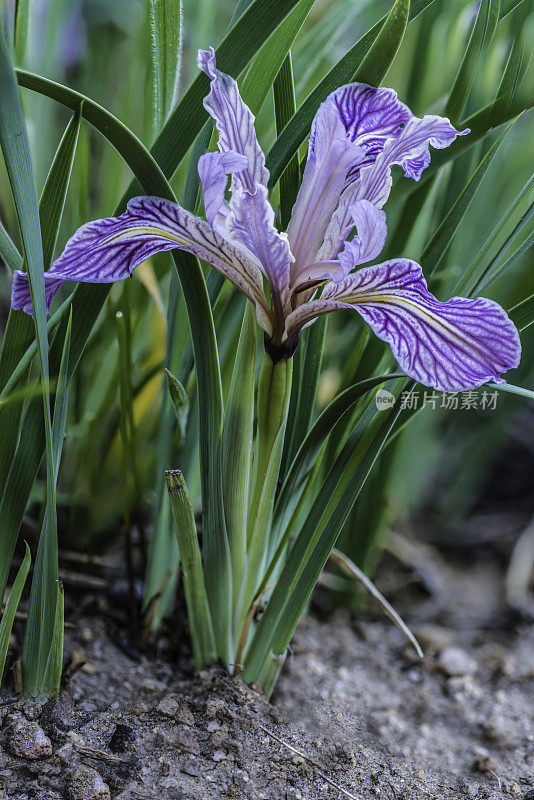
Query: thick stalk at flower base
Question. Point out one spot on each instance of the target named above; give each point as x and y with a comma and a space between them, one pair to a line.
237, 448
274, 391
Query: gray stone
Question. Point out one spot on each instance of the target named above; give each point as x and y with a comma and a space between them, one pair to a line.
454, 661
84, 783
26, 739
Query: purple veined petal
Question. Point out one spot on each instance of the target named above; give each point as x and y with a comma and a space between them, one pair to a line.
452, 346
108, 250
368, 243
347, 134
213, 169
410, 149
250, 227
371, 232
20, 291
235, 123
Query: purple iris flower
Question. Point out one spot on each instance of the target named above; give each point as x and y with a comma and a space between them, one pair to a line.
358, 134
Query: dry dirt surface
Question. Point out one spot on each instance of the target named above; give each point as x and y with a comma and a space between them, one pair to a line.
355, 713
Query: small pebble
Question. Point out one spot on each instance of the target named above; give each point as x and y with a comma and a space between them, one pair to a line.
214, 707
26, 739
84, 783
168, 706
191, 767
454, 661
139, 709
219, 755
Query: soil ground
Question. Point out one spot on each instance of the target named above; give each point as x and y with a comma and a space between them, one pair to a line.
355, 714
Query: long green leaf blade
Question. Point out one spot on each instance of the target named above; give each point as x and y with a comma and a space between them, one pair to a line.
8, 615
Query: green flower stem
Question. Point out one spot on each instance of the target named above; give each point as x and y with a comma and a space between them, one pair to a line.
274, 392
198, 612
237, 448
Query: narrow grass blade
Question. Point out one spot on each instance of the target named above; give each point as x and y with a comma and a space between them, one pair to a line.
354, 572
20, 395
510, 224
127, 424
17, 157
517, 390
267, 63
304, 394
481, 35
237, 447
515, 70
166, 19
298, 127
8, 252
54, 665
23, 14
55, 189
499, 271
522, 314
382, 52
43, 642
8, 615
284, 108
13, 359
198, 612
315, 541
311, 446
439, 244
18, 337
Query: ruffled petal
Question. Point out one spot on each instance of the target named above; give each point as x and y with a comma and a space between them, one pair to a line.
347, 134
250, 227
452, 346
213, 169
368, 243
249, 224
109, 250
410, 149
235, 123
371, 232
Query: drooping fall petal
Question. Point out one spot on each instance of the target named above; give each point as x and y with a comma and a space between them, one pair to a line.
109, 250
452, 346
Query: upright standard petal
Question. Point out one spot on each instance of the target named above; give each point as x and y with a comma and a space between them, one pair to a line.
371, 231
410, 149
348, 133
109, 250
235, 123
452, 346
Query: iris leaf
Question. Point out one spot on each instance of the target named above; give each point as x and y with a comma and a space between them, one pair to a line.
8, 616
439, 244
